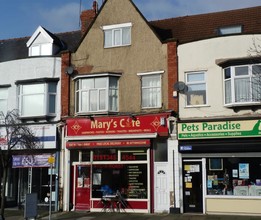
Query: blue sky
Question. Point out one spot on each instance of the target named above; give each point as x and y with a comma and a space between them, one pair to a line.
20, 18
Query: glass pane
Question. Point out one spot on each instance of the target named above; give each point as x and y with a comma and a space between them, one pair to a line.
100, 82
228, 95
33, 89
126, 36
117, 37
93, 100
242, 90
33, 105
3, 106
256, 89
227, 73
102, 100
151, 81
241, 71
46, 49
52, 87
256, 69
84, 101
161, 151
195, 77
35, 50
108, 38
87, 83
52, 103
3, 93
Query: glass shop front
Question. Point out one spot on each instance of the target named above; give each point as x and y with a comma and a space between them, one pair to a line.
223, 160
114, 172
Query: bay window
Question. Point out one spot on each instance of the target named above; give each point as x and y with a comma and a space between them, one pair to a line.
242, 84
97, 94
38, 99
3, 99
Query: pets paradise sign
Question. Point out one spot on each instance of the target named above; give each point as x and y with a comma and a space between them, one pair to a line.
220, 129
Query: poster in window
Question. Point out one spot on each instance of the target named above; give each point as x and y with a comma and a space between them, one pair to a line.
244, 171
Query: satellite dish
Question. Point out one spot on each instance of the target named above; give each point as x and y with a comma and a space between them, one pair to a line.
180, 87
69, 70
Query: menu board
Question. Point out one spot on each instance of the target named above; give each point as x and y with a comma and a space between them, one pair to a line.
137, 180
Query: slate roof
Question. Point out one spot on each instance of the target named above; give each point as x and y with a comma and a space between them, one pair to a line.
203, 26
182, 29
13, 49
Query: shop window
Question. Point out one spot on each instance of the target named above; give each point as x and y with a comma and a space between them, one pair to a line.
105, 155
161, 151
130, 180
74, 154
242, 85
131, 155
86, 155
196, 94
234, 176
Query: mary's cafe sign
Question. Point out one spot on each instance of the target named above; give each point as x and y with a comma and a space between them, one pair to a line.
221, 129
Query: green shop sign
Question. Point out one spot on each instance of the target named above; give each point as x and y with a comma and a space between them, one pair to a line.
221, 129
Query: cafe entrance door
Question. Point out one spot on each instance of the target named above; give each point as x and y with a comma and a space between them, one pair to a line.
192, 186
82, 188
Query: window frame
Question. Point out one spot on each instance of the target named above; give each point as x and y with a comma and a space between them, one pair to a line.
108, 90
196, 83
4, 99
112, 29
46, 99
250, 75
149, 74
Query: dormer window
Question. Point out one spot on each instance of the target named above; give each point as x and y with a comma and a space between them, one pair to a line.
41, 50
226, 30
43, 43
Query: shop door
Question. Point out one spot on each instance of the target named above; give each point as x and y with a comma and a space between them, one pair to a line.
192, 186
161, 187
82, 188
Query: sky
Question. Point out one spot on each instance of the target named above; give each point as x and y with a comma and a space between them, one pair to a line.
20, 18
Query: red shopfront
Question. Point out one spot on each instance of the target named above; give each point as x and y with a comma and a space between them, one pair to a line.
113, 156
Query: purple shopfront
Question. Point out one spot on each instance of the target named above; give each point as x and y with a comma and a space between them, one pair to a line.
111, 161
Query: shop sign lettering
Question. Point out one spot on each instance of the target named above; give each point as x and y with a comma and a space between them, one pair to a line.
221, 129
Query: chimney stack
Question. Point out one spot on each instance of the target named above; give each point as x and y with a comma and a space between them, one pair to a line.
87, 17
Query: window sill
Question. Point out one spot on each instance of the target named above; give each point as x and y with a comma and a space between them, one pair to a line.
37, 118
243, 106
196, 106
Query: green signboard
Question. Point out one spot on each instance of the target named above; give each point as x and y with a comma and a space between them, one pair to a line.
221, 129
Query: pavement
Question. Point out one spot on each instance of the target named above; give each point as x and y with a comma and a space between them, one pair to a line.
14, 214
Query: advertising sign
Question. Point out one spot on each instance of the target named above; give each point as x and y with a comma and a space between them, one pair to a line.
23, 161
154, 123
45, 136
220, 129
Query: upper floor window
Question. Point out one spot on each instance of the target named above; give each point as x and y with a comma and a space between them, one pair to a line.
196, 94
242, 84
3, 99
97, 94
236, 29
117, 35
38, 99
40, 50
151, 94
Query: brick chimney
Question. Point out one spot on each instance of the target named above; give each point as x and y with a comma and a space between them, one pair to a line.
87, 17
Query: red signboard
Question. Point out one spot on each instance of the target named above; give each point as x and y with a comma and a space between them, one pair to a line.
112, 143
153, 123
